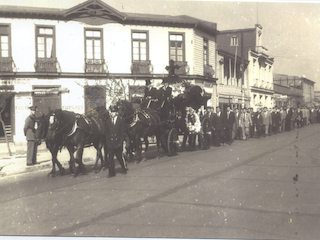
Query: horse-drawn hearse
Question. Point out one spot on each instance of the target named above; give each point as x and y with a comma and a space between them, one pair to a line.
165, 120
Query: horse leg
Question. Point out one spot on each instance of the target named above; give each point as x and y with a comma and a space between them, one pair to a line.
71, 161
54, 153
158, 146
78, 159
98, 156
144, 154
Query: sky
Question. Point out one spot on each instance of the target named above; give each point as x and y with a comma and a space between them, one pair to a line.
291, 29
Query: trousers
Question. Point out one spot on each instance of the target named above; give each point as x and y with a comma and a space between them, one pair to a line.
31, 152
118, 152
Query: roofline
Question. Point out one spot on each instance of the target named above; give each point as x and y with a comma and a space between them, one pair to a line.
62, 14
237, 30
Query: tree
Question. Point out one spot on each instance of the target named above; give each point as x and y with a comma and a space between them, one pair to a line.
4, 99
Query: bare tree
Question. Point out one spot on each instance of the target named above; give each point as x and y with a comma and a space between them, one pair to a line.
4, 98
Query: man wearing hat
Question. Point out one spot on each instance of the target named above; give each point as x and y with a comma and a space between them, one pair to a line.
29, 129
114, 141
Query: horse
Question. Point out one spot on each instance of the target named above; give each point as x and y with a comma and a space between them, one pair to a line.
142, 123
53, 144
75, 131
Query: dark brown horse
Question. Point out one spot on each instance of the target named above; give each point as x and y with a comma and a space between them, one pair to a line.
74, 131
141, 124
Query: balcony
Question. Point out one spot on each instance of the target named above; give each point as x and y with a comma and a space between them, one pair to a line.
141, 67
95, 66
183, 68
47, 65
7, 64
208, 71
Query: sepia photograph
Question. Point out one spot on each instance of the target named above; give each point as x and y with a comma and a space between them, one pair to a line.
183, 119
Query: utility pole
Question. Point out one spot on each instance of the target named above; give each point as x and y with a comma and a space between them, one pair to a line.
242, 69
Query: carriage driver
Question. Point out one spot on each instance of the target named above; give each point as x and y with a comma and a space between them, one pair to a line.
29, 131
114, 141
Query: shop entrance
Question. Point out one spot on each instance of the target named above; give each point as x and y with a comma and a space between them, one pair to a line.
7, 117
46, 100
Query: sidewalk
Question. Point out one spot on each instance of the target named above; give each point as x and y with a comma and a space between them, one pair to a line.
17, 164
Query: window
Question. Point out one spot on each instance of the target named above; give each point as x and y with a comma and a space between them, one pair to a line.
45, 42
5, 41
140, 46
234, 41
94, 46
205, 52
176, 47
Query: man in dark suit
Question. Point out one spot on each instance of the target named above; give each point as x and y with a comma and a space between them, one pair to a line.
114, 140
166, 96
29, 131
229, 121
258, 123
219, 127
288, 119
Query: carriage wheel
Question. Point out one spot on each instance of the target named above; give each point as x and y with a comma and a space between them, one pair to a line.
205, 125
173, 141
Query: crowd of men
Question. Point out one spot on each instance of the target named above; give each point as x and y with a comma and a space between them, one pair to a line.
242, 124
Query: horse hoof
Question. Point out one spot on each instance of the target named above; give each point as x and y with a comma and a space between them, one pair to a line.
62, 172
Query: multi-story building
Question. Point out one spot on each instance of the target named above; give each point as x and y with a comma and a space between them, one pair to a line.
255, 67
301, 89
78, 58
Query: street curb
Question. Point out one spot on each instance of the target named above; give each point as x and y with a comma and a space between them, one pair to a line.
28, 169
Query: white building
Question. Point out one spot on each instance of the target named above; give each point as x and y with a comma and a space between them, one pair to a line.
75, 59
256, 67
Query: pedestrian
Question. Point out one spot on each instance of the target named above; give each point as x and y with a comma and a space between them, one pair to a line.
252, 115
219, 127
29, 129
266, 121
283, 114
288, 119
229, 121
258, 123
236, 132
114, 140
244, 123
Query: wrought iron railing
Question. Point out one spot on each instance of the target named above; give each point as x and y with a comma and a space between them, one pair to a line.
183, 68
141, 67
6, 64
48, 65
208, 71
95, 66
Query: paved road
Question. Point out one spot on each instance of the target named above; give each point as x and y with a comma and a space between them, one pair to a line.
256, 189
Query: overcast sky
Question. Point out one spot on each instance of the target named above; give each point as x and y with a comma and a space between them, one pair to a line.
291, 30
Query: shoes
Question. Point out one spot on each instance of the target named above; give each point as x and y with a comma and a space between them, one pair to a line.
29, 164
111, 175
124, 172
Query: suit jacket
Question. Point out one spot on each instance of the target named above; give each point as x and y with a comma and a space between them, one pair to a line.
245, 120
258, 119
266, 118
28, 128
115, 133
229, 121
236, 120
218, 122
283, 115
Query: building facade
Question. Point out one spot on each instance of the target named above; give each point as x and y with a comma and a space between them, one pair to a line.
256, 67
301, 89
79, 58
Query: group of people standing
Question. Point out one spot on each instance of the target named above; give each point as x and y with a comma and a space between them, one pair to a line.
244, 123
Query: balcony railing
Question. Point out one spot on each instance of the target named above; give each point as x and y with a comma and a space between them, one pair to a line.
48, 65
141, 67
7, 64
183, 68
95, 66
208, 71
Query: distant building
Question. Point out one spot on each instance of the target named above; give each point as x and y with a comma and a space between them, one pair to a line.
300, 89
253, 66
78, 58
